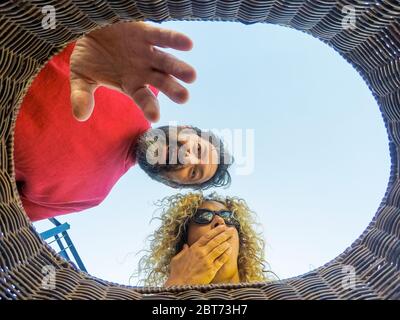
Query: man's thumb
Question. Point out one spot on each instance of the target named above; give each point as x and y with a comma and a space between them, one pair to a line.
82, 99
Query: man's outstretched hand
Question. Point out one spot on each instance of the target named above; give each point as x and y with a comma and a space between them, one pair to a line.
124, 57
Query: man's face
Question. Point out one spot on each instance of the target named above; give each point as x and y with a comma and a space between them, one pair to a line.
179, 154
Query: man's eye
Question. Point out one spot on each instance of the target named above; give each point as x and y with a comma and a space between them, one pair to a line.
199, 151
193, 173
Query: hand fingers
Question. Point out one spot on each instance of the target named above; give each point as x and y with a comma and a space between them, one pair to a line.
217, 240
219, 250
210, 235
222, 259
148, 102
184, 249
82, 98
169, 86
169, 64
168, 38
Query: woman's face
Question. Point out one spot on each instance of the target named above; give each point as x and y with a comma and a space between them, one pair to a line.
196, 231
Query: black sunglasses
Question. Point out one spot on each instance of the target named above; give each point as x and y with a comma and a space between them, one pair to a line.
205, 216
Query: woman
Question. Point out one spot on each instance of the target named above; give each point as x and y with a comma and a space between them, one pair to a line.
204, 240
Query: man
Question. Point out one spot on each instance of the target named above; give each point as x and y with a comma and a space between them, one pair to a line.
67, 162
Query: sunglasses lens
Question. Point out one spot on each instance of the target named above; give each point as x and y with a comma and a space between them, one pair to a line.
203, 217
227, 216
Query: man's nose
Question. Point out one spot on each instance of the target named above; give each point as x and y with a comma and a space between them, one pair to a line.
191, 158
217, 221
191, 154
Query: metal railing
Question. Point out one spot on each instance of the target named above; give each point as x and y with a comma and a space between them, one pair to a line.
64, 242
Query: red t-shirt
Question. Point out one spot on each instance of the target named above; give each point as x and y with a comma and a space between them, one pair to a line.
63, 165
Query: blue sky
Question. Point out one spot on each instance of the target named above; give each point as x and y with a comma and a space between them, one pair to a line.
321, 158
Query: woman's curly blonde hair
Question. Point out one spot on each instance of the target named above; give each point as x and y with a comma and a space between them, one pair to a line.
168, 239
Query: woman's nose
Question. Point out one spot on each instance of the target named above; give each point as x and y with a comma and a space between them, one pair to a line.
217, 221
